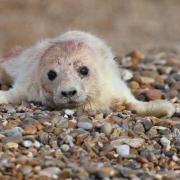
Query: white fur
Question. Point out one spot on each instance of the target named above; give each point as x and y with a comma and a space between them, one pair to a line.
23, 68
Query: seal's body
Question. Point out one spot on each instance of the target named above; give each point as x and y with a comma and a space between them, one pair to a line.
73, 70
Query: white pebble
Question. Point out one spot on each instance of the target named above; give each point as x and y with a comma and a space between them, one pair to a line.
175, 157
50, 172
123, 150
69, 111
85, 125
27, 143
37, 144
165, 142
65, 147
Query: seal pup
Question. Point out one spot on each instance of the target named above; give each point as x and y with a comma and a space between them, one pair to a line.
75, 69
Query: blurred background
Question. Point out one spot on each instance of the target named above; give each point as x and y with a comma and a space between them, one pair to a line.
124, 24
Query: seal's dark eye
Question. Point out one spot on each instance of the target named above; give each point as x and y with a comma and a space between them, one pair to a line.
52, 75
83, 70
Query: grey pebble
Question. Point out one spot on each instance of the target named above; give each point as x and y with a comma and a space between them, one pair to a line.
16, 131
50, 172
147, 124
177, 77
123, 150
87, 125
139, 128
106, 128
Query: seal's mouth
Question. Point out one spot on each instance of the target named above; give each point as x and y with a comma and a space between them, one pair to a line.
70, 104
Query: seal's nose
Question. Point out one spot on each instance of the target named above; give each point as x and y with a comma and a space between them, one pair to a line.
69, 93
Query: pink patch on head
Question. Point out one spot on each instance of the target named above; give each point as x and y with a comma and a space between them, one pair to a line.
61, 51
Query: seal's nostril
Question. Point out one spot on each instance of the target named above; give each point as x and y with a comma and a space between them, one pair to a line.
64, 93
73, 92
68, 93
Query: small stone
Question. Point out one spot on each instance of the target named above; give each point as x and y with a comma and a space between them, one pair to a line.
123, 150
147, 124
165, 69
37, 144
15, 139
69, 112
43, 137
85, 124
27, 143
177, 77
136, 56
72, 123
135, 142
116, 133
152, 132
134, 85
26, 170
106, 128
175, 157
11, 145
165, 142
153, 94
10, 110
139, 128
16, 131
65, 147
30, 129
126, 74
164, 131
50, 172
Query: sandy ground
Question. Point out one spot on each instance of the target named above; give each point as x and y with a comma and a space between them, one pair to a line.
125, 24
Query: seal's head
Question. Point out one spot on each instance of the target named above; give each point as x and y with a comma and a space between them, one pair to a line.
69, 74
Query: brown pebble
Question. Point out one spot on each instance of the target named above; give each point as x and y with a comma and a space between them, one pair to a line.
153, 94
72, 123
30, 129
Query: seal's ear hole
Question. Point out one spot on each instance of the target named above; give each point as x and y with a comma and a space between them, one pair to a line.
83, 70
51, 75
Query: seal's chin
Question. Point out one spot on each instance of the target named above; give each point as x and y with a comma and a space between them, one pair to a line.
69, 104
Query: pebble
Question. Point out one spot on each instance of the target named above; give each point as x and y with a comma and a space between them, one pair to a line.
126, 74
152, 132
106, 128
69, 112
50, 172
10, 110
177, 77
30, 129
37, 144
43, 137
135, 142
165, 142
153, 94
85, 124
26, 170
147, 124
27, 143
123, 150
164, 131
72, 123
11, 145
65, 147
16, 131
139, 128
116, 133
